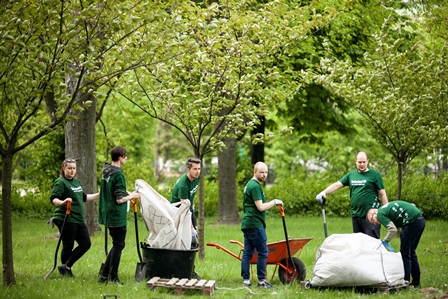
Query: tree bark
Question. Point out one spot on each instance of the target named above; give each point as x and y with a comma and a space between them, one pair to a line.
7, 257
227, 199
201, 216
257, 150
80, 144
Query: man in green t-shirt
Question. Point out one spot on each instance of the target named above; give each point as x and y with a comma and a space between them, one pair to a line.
253, 226
366, 190
407, 217
112, 211
185, 189
187, 186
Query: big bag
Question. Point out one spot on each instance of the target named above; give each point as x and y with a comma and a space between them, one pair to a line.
345, 260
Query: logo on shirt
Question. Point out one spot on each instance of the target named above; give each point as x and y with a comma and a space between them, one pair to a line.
76, 189
192, 192
358, 182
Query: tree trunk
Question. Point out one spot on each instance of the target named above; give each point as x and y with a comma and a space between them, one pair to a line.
7, 257
80, 144
399, 179
201, 217
227, 199
257, 150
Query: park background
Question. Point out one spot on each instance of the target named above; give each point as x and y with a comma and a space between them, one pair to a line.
302, 86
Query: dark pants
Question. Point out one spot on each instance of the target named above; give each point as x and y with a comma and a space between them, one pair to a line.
113, 258
409, 239
254, 238
73, 232
361, 225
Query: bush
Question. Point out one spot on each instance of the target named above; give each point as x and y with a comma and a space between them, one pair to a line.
298, 193
29, 201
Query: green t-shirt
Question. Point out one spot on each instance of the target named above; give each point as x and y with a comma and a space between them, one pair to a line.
63, 188
185, 189
113, 182
399, 212
364, 188
252, 217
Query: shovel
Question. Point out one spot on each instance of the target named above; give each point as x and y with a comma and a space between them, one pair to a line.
140, 271
282, 213
323, 215
105, 249
67, 212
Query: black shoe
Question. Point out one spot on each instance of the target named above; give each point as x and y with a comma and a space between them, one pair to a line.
195, 275
64, 271
102, 279
116, 281
265, 285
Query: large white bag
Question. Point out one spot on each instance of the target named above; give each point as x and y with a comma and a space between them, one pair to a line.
169, 225
345, 260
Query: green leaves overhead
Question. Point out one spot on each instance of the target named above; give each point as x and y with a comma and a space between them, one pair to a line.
401, 91
210, 72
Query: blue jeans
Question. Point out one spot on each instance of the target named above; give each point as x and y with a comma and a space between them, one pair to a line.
361, 225
254, 239
410, 237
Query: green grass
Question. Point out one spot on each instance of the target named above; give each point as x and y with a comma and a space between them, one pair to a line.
34, 245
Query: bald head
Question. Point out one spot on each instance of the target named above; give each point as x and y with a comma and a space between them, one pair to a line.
260, 171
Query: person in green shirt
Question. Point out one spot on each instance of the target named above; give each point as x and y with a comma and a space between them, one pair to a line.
67, 188
112, 211
253, 226
402, 215
185, 189
366, 191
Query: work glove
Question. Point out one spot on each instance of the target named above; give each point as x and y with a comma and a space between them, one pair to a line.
194, 236
388, 246
278, 202
321, 197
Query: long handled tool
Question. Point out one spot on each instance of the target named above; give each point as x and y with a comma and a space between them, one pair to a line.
105, 250
140, 271
323, 215
282, 213
67, 212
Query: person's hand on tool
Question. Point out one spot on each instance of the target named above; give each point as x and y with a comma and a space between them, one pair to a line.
278, 202
388, 246
321, 197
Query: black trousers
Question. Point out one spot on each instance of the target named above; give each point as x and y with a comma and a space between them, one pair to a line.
113, 258
73, 232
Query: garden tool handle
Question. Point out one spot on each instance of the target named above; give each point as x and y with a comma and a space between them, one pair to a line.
69, 207
282, 211
134, 204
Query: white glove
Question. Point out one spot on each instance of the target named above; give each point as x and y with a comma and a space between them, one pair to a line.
278, 202
194, 236
321, 197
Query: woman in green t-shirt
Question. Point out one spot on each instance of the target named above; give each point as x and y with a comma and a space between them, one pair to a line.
67, 188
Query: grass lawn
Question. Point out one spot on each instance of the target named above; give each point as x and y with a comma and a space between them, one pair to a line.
35, 243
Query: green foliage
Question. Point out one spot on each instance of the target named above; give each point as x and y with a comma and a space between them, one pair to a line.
40, 163
31, 202
426, 191
298, 192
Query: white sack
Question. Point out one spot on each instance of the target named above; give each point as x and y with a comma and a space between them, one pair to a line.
169, 225
345, 260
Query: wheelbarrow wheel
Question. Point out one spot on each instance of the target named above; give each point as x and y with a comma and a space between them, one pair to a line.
286, 277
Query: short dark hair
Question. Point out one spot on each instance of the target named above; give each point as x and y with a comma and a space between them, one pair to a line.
192, 161
117, 152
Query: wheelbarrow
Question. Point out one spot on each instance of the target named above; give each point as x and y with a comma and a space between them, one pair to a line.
289, 269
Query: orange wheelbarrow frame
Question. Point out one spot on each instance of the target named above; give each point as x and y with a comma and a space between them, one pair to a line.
278, 256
